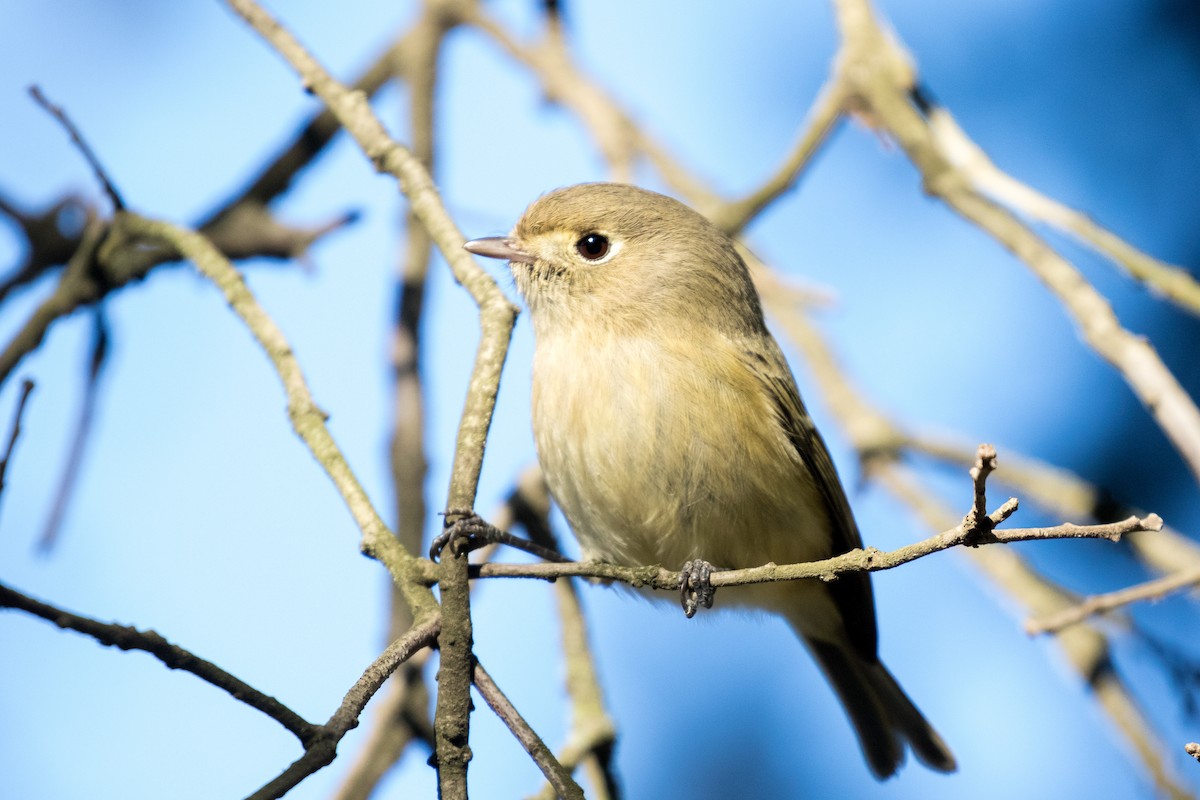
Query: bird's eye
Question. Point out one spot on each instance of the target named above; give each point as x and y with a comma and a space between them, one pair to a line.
592, 246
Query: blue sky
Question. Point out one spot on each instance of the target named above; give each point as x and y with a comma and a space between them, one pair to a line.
201, 516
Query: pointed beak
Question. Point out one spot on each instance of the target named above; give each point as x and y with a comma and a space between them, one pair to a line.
498, 247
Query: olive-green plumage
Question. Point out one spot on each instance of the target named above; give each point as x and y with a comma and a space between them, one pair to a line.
669, 428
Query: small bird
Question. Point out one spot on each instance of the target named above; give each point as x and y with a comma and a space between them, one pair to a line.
670, 429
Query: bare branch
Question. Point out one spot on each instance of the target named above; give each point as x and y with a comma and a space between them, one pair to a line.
857, 560
323, 748
614, 131
559, 778
824, 116
404, 714
1086, 648
307, 419
76, 288
1169, 281
173, 656
1100, 603
497, 316
81, 144
14, 431
51, 236
883, 83
592, 735
82, 434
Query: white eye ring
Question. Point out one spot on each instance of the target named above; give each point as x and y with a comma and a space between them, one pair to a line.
595, 247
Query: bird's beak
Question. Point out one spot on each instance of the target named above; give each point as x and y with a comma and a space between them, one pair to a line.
498, 247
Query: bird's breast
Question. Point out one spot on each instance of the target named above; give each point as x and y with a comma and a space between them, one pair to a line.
659, 451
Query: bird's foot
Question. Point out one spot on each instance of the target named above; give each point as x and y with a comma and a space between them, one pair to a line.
695, 586
466, 531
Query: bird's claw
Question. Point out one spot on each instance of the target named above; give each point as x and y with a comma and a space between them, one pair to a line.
695, 586
465, 531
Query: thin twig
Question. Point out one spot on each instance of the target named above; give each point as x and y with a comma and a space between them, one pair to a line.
307, 419
497, 316
82, 434
858, 560
592, 734
322, 750
559, 778
404, 712
827, 110
614, 131
1100, 603
1169, 281
14, 431
883, 83
101, 175
173, 656
985, 464
1086, 648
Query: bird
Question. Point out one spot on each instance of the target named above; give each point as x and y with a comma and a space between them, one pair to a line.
671, 431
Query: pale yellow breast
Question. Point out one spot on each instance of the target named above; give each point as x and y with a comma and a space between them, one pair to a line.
659, 452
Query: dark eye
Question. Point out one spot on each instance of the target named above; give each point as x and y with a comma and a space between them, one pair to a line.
592, 246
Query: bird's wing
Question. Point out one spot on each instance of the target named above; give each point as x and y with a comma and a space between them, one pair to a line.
852, 592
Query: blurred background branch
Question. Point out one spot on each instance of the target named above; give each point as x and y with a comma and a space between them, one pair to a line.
872, 79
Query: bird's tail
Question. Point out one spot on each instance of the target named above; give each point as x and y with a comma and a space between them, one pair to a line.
883, 716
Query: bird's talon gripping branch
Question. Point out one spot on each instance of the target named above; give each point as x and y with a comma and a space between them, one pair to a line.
464, 531
695, 586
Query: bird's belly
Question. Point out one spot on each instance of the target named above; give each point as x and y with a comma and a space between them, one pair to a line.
657, 462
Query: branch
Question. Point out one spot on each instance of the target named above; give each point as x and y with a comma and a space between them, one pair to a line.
883, 83
14, 430
81, 144
616, 134
559, 777
77, 287
592, 735
51, 236
322, 750
82, 433
827, 110
1086, 649
308, 421
1172, 282
405, 712
1100, 603
242, 230
858, 560
497, 316
173, 656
